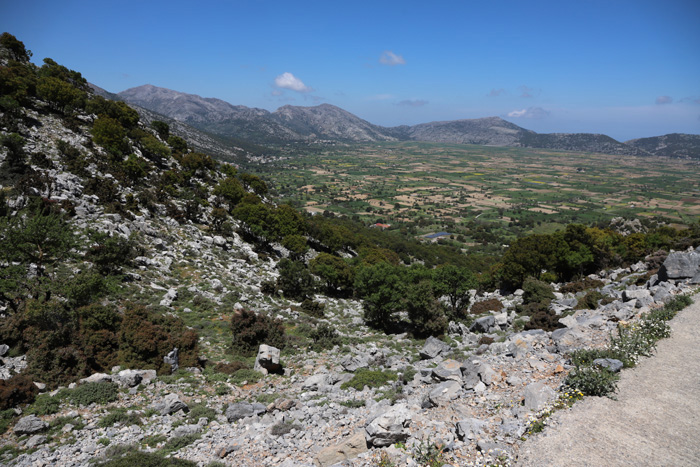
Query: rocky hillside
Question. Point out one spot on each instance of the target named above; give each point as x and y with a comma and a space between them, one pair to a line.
327, 122
673, 145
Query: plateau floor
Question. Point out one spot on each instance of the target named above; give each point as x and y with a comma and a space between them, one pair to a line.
653, 421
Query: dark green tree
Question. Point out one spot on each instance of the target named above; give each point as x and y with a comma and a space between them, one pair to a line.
337, 276
294, 280
455, 283
382, 289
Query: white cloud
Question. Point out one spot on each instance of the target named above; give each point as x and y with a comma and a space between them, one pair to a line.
380, 97
412, 103
530, 112
497, 92
661, 100
390, 58
289, 81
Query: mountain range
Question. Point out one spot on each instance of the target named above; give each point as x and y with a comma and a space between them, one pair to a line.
327, 122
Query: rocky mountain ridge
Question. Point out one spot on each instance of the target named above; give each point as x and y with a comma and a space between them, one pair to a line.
327, 122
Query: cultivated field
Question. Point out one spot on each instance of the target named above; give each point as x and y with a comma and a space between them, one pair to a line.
428, 187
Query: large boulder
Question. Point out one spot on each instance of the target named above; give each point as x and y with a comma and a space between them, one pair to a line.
346, 450
442, 394
469, 428
448, 370
433, 347
387, 427
352, 363
171, 404
484, 324
29, 425
268, 360
681, 265
239, 410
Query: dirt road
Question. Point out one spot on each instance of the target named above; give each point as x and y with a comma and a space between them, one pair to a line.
654, 421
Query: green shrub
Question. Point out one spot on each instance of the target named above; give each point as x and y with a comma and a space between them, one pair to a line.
251, 329
592, 381
323, 336
537, 291
120, 415
175, 444
590, 300
98, 393
130, 456
371, 378
46, 404
6, 418
313, 308
200, 410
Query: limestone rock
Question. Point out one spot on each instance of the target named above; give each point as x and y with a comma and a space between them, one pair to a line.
433, 347
680, 265
172, 404
442, 394
388, 427
537, 395
268, 360
346, 450
239, 410
30, 425
448, 370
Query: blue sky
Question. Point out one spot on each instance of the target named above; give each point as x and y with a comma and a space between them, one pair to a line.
628, 69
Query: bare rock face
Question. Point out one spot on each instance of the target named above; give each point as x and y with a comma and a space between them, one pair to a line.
346, 450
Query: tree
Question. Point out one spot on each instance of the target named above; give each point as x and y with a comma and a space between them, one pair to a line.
61, 96
230, 191
336, 274
382, 288
15, 47
254, 183
424, 311
110, 134
162, 128
294, 279
455, 283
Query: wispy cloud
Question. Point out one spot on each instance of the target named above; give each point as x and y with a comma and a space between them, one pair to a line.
691, 100
413, 103
661, 100
390, 58
530, 112
289, 81
527, 92
380, 97
497, 92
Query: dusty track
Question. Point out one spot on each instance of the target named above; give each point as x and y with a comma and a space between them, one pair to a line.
654, 421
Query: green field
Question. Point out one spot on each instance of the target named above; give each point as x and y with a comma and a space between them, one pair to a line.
485, 194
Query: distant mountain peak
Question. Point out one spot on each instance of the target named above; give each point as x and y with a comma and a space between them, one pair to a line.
328, 122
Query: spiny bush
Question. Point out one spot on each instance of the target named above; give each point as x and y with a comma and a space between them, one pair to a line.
145, 337
249, 376
370, 378
484, 306
251, 329
129, 456
590, 300
16, 391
